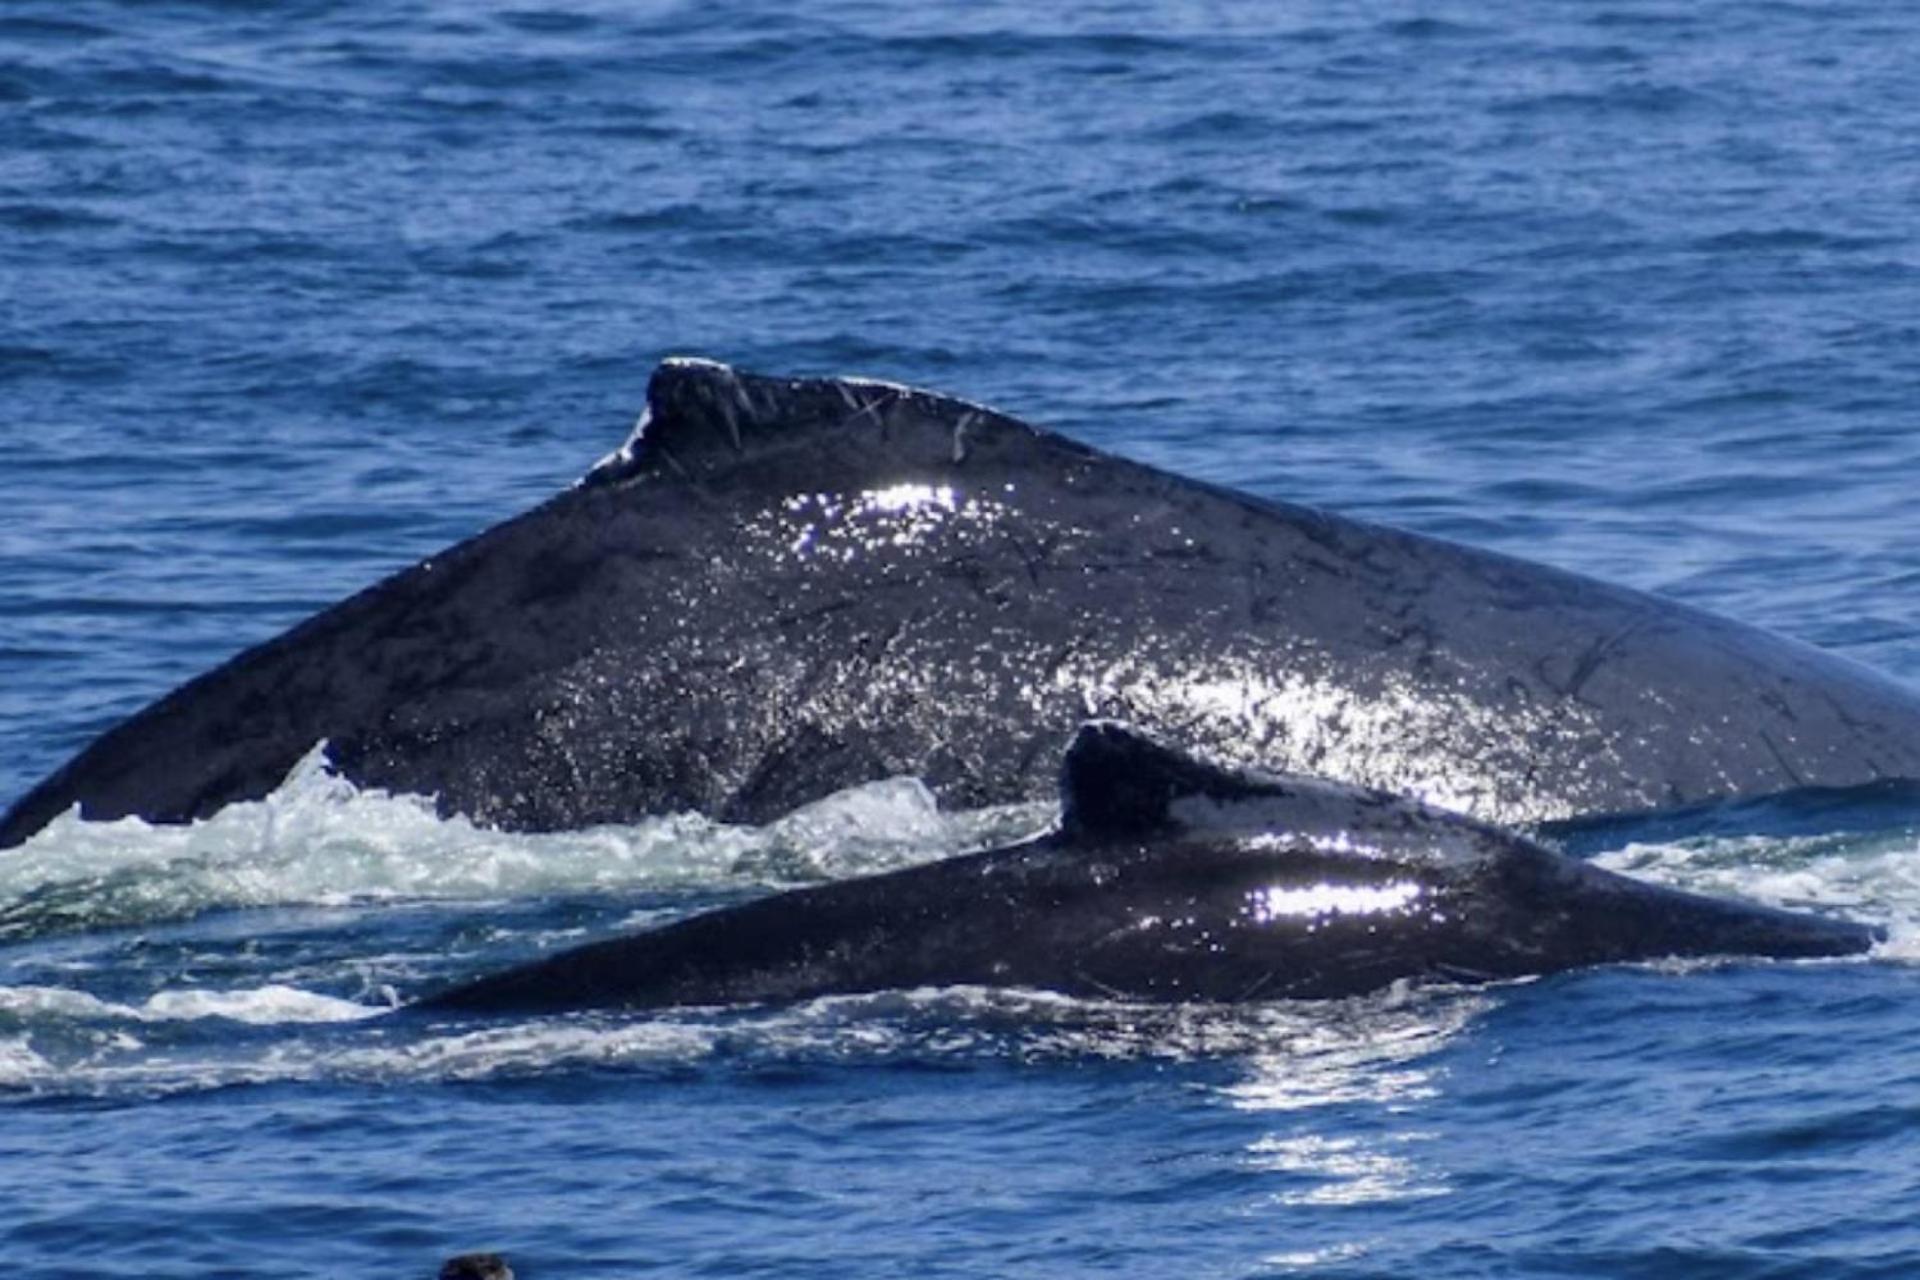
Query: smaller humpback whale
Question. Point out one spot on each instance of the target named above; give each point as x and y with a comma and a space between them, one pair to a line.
1167, 879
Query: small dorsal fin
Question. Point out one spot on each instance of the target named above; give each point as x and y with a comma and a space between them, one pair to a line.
1116, 781
702, 414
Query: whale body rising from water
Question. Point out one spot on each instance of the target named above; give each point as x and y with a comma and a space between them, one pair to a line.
1172, 879
784, 587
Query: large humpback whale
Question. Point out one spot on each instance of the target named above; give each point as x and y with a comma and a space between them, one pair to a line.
781, 587
1172, 879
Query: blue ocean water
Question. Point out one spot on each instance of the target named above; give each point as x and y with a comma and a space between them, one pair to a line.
293, 294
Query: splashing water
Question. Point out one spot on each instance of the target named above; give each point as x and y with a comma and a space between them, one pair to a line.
319, 839
302, 918
1867, 876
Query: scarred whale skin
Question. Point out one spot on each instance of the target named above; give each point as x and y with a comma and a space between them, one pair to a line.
1171, 879
783, 587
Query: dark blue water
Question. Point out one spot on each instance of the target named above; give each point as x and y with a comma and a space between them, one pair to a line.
292, 294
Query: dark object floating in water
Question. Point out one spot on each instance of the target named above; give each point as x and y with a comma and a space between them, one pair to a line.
784, 587
1173, 879
476, 1266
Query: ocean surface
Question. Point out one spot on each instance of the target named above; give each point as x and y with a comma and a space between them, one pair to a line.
293, 294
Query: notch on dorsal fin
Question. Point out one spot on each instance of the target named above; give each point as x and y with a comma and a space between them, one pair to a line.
1117, 781
702, 414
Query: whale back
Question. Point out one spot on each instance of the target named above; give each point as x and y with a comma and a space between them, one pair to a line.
783, 587
1174, 878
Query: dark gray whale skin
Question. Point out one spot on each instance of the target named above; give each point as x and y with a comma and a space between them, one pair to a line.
784, 587
1170, 879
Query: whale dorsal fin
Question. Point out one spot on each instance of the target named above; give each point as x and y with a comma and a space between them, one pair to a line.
1117, 781
702, 414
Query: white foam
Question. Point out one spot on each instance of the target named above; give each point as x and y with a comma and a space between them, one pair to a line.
528, 1048
1868, 877
1304, 1054
273, 1004
20, 1066
320, 840
269, 1005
